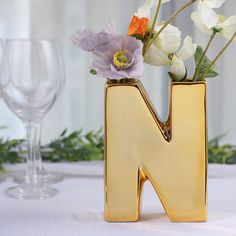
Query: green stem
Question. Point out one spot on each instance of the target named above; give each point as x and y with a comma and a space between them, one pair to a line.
218, 56
166, 24
153, 24
203, 55
155, 18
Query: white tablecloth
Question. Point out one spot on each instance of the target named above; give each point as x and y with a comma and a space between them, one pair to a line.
78, 208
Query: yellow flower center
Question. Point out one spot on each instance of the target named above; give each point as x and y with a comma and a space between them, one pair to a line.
121, 59
221, 18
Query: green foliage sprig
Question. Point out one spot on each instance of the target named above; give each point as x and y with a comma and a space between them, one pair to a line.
221, 154
75, 147
90, 146
68, 148
9, 151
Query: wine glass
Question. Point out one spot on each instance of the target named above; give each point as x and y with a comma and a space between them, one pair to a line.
31, 79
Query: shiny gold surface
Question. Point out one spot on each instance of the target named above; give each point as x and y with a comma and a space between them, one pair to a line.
139, 147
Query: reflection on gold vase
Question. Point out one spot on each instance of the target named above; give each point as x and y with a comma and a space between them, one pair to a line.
172, 155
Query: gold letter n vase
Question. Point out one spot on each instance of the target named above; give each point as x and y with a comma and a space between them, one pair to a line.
172, 155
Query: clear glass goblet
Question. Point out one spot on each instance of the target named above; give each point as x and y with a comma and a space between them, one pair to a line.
31, 79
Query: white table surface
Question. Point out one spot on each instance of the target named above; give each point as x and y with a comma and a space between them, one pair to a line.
78, 208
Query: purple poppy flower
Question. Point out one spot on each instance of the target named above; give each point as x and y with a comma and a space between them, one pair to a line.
88, 40
120, 58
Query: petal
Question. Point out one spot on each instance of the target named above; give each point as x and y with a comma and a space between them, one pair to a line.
138, 66
177, 68
195, 16
143, 11
138, 26
188, 49
130, 43
208, 16
118, 74
229, 27
88, 40
82, 39
110, 28
156, 57
152, 3
214, 3
169, 39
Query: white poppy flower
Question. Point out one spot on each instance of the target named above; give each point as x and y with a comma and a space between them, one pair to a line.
214, 3
188, 49
177, 68
156, 56
207, 14
226, 27
145, 9
169, 39
152, 3
196, 17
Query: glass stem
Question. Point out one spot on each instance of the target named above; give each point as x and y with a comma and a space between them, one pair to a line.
38, 154
32, 131
153, 25
155, 18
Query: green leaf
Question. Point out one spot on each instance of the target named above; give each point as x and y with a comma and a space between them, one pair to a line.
205, 63
63, 133
138, 36
93, 72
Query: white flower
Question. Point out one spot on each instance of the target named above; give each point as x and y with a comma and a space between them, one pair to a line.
213, 3
156, 56
169, 39
188, 49
207, 14
152, 3
226, 27
196, 17
177, 67
145, 9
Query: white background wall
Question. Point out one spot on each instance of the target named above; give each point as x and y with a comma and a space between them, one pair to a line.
81, 105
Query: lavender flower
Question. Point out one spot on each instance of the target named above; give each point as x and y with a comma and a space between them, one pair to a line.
119, 58
88, 40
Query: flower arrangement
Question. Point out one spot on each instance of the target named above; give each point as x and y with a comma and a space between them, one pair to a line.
157, 43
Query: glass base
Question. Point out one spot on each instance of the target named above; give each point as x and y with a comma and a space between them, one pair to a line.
27, 191
43, 177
